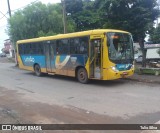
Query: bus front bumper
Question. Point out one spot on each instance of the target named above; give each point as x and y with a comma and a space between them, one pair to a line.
109, 74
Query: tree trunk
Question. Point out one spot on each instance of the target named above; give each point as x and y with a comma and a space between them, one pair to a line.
144, 57
144, 51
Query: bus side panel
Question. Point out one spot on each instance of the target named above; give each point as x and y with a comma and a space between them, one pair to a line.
66, 64
22, 66
60, 63
75, 61
28, 61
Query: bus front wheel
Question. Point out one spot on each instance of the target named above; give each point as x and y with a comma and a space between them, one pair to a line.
37, 70
82, 76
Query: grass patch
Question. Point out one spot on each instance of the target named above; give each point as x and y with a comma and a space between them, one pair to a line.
143, 70
137, 70
152, 71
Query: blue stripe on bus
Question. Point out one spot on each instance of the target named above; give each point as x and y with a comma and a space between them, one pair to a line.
74, 60
68, 61
30, 60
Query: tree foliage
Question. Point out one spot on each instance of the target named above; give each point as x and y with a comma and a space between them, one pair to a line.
36, 20
134, 16
155, 35
83, 13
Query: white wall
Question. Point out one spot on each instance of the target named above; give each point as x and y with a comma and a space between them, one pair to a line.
152, 53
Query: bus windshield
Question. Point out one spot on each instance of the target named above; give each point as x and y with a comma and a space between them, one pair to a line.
120, 46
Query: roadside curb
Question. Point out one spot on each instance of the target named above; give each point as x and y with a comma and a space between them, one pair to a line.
12, 60
142, 80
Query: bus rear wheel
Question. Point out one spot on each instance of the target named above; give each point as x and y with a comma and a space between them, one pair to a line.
82, 76
37, 70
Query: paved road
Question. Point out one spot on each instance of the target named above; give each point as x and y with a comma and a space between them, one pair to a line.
59, 99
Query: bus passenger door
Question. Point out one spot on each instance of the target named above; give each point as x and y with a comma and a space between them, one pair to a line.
96, 58
49, 52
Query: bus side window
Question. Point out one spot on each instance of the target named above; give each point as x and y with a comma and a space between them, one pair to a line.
20, 48
62, 46
74, 42
41, 48
30, 49
25, 48
59, 47
84, 43
79, 45
57, 50
72, 48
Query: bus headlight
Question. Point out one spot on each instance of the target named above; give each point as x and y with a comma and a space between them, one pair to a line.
114, 69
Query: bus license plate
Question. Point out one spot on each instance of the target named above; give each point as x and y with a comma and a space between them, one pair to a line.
124, 74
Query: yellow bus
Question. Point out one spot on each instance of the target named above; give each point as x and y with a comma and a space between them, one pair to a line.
102, 54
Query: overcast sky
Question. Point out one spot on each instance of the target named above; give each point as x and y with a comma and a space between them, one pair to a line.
14, 4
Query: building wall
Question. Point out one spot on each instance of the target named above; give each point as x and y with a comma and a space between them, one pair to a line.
8, 49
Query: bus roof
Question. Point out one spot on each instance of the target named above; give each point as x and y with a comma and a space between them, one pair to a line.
68, 35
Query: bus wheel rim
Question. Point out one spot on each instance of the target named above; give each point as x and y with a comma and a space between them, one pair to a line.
82, 75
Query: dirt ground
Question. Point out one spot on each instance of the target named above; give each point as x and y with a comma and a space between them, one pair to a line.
14, 109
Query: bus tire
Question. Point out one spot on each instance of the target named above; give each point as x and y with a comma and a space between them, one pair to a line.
37, 70
82, 76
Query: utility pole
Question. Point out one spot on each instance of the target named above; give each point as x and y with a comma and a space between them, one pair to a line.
13, 51
64, 16
9, 9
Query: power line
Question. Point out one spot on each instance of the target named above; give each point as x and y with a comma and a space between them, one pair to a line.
4, 15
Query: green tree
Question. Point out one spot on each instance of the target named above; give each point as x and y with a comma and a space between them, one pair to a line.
37, 20
74, 6
134, 16
83, 14
155, 34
